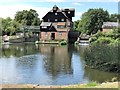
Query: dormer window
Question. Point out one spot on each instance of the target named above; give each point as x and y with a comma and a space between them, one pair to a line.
56, 20
55, 13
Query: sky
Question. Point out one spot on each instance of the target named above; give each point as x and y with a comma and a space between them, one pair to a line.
9, 8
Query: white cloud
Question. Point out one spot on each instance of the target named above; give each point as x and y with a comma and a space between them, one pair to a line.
77, 3
54, 0
10, 10
79, 13
77, 16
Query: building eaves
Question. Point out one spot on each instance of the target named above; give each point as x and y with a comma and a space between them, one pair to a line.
45, 24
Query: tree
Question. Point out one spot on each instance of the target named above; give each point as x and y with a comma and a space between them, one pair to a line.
92, 20
114, 17
27, 17
76, 24
8, 26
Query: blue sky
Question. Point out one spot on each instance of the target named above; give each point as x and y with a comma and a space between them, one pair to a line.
10, 8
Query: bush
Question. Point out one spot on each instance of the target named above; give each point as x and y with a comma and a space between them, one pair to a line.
63, 42
103, 57
104, 40
99, 34
92, 39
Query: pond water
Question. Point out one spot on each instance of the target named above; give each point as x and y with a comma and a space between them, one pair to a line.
47, 65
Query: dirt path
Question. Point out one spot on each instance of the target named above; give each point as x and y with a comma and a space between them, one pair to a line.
103, 85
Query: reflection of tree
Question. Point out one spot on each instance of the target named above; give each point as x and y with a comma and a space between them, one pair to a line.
99, 76
57, 60
18, 50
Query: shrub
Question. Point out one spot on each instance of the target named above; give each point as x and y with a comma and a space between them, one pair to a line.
99, 34
104, 40
103, 57
92, 39
63, 42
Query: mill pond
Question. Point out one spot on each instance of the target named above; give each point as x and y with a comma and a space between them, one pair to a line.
45, 64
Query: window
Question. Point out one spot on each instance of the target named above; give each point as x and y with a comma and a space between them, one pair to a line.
62, 19
45, 33
60, 34
60, 26
44, 26
48, 20
69, 12
55, 13
55, 19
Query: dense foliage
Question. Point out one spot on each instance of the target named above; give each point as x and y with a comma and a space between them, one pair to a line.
10, 26
112, 37
103, 57
92, 20
27, 17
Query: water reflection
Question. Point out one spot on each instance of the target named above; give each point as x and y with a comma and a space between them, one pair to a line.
57, 60
18, 50
46, 65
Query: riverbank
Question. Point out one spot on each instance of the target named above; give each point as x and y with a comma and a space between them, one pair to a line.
89, 85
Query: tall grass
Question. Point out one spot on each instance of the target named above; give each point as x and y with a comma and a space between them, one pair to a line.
103, 57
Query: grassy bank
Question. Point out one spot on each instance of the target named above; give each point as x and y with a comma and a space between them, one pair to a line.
89, 85
104, 51
103, 57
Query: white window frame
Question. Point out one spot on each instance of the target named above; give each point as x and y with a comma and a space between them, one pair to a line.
56, 20
68, 12
44, 26
56, 13
62, 19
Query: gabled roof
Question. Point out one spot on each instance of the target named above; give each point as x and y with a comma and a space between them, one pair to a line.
58, 10
55, 7
110, 25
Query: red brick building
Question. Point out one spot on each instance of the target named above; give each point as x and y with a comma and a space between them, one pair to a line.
56, 24
109, 26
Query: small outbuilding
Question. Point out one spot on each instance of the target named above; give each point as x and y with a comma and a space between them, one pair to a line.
109, 26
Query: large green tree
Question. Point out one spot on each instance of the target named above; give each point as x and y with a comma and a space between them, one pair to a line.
76, 24
114, 17
26, 17
92, 20
8, 26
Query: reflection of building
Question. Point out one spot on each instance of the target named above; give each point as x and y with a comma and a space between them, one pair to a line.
97, 75
57, 60
109, 26
56, 24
